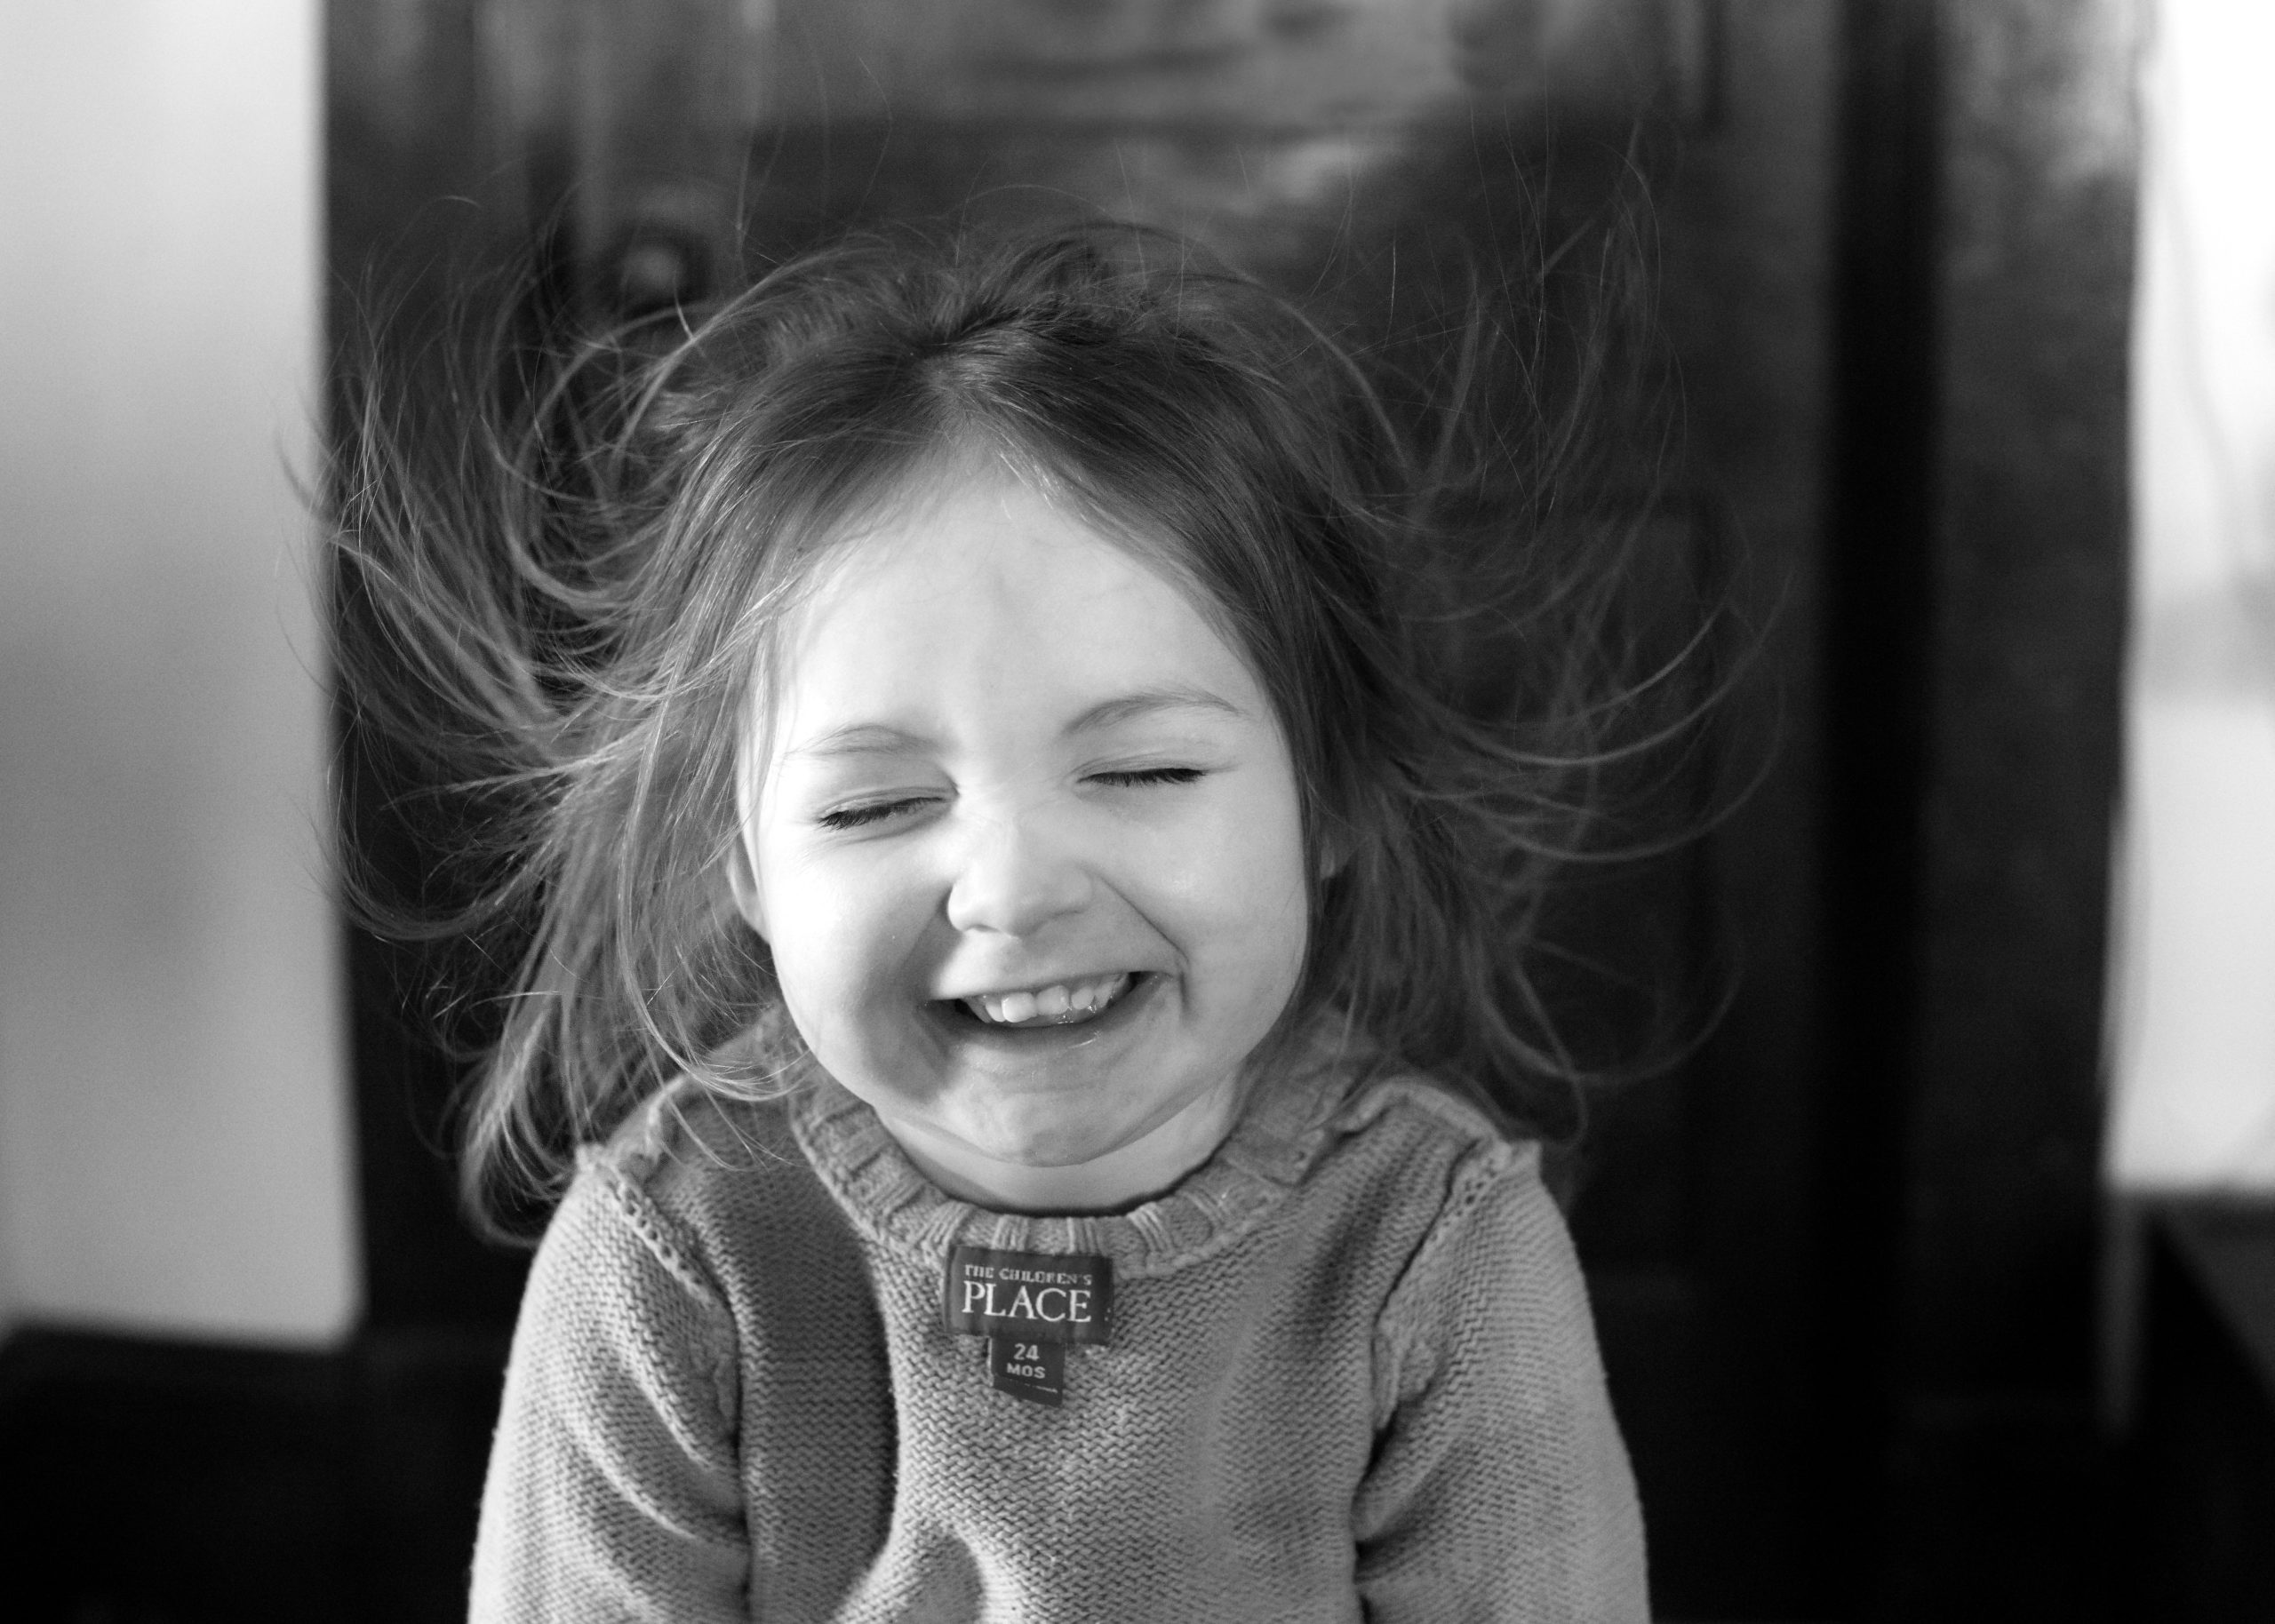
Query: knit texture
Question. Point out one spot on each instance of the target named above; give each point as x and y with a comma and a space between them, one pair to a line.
1351, 1374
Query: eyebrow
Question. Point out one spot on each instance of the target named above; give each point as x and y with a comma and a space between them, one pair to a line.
867, 738
878, 738
1152, 702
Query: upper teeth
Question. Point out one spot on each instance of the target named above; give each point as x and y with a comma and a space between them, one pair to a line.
1063, 1002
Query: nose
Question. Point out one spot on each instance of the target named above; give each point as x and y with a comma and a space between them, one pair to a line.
1013, 878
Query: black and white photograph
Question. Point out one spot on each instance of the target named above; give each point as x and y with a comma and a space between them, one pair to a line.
1138, 811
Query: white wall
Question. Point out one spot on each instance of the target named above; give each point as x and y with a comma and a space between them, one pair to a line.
173, 1149
2194, 979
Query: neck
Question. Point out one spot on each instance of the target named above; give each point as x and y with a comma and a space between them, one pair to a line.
1123, 1177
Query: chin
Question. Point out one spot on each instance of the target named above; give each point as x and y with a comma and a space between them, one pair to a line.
1047, 1144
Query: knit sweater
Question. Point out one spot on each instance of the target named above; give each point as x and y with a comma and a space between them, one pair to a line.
1350, 1372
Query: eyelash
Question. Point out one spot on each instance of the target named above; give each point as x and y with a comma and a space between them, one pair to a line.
1146, 774
856, 817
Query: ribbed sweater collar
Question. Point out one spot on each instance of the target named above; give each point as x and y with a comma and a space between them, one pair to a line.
1282, 1128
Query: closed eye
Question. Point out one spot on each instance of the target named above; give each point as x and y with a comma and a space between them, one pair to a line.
1138, 777
873, 812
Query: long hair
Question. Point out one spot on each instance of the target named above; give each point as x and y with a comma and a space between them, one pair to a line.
559, 585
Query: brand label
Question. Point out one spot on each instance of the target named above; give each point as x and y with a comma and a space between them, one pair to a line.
1022, 1297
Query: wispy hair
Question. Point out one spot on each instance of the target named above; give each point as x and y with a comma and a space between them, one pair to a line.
561, 578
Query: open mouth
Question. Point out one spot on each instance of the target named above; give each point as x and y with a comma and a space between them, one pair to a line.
1067, 1003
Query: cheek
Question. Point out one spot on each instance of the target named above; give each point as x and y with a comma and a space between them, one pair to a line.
843, 938
1280, 896
1243, 889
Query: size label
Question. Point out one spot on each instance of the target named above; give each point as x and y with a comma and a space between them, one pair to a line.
1041, 1297
1030, 1370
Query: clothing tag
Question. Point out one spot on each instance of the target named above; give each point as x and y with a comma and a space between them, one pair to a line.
1030, 1296
1030, 1370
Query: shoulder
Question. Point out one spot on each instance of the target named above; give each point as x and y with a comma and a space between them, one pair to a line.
678, 1179
687, 1143
1443, 1149
1404, 1170
1484, 1239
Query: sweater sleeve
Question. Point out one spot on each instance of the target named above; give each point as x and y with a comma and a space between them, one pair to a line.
612, 1492
1500, 1489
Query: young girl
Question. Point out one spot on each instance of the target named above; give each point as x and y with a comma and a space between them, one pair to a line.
1025, 959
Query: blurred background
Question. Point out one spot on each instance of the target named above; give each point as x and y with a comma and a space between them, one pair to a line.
1938, 1282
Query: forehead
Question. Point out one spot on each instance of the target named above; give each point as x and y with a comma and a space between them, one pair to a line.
980, 588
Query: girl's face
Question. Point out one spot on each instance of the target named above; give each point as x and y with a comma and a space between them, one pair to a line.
1025, 843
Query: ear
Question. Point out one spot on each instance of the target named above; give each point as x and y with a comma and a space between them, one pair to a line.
742, 885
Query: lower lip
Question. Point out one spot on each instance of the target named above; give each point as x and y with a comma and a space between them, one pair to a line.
962, 1028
